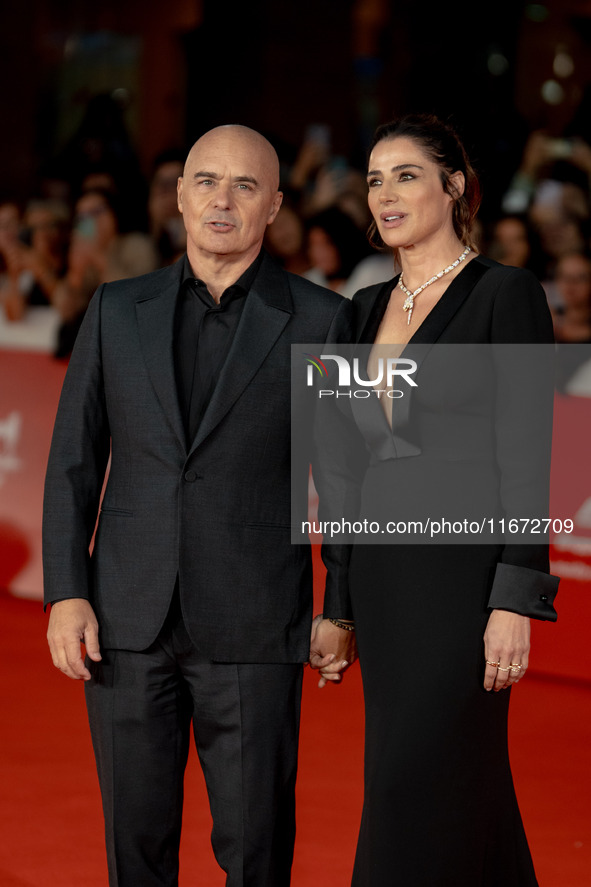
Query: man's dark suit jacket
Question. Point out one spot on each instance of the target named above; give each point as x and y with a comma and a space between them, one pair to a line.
217, 515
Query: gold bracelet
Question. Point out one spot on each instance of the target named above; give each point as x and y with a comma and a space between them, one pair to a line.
347, 626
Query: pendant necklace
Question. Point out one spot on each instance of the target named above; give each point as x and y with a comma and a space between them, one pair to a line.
409, 302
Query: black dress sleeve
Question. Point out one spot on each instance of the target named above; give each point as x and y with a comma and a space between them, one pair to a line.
522, 582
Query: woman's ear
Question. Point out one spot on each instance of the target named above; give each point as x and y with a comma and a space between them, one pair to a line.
456, 184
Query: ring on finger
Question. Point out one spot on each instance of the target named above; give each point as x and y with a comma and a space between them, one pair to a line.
508, 668
493, 664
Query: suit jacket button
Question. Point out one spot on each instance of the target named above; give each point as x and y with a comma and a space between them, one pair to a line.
190, 476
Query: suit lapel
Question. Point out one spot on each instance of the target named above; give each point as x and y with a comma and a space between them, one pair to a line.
449, 304
268, 309
155, 317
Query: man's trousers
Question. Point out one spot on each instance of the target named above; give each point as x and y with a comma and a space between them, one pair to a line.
246, 724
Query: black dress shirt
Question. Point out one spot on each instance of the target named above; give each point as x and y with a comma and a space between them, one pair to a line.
204, 331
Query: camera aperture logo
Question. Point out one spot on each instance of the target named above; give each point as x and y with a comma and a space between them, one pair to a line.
349, 373
314, 362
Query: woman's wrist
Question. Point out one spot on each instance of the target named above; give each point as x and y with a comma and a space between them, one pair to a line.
345, 624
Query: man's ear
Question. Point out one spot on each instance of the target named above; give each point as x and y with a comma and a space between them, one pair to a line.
179, 193
277, 201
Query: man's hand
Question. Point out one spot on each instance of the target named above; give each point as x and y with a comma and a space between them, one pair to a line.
70, 623
332, 650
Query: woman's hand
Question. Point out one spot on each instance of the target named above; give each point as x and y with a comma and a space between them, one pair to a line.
506, 649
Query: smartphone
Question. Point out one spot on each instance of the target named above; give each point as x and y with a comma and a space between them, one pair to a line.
86, 227
560, 149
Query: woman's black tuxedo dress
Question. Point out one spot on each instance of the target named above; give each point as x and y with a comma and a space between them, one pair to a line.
440, 808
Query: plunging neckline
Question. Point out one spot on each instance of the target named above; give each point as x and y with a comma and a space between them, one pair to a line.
428, 331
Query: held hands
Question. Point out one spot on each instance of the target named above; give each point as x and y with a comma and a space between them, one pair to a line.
332, 650
70, 623
506, 649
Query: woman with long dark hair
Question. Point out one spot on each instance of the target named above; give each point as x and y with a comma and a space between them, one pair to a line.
443, 631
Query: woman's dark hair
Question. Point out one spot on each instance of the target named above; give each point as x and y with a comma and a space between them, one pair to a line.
442, 145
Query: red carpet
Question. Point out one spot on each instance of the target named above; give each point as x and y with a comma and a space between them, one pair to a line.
50, 821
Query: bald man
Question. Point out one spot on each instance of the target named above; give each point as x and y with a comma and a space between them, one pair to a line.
193, 607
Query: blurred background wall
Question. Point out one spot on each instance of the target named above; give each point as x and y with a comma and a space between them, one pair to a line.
177, 68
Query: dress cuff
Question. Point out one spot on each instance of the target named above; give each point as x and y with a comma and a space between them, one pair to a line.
525, 591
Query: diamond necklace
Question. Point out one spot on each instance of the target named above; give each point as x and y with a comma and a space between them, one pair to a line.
409, 302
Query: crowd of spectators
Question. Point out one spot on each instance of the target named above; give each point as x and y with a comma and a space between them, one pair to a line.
103, 223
